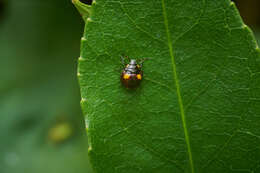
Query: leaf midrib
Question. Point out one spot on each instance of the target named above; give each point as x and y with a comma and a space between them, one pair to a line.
175, 78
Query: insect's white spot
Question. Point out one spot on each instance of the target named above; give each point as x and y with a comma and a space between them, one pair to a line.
89, 148
94, 2
78, 74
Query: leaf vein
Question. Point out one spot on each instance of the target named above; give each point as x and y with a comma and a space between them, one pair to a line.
138, 27
220, 150
175, 78
139, 142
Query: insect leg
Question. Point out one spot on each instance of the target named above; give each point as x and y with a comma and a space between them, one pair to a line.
141, 61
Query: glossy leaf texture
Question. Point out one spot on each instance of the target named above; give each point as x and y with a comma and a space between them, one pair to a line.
198, 107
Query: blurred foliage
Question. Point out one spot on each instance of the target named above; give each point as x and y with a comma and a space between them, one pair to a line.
41, 127
249, 11
2, 8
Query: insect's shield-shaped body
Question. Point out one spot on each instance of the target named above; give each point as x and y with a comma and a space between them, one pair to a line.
131, 75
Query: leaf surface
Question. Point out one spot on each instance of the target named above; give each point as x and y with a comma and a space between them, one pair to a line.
198, 107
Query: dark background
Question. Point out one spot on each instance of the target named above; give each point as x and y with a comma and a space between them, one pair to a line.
41, 125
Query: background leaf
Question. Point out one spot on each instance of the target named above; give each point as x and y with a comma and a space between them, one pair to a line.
41, 126
197, 109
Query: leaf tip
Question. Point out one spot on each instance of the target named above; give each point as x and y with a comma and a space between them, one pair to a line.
84, 7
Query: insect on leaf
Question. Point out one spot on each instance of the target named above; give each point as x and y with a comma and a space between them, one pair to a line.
197, 109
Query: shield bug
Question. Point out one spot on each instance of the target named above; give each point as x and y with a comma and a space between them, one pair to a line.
132, 73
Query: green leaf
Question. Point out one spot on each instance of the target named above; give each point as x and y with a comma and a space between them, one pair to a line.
83, 9
198, 107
